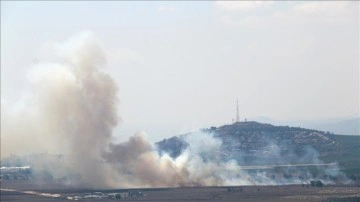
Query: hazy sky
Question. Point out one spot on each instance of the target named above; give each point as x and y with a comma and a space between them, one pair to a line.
182, 65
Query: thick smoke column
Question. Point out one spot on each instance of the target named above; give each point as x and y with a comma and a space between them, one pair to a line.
74, 107
82, 106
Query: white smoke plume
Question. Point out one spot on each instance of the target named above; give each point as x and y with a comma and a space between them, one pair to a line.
73, 110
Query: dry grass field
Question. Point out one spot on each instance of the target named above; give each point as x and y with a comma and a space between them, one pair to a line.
14, 191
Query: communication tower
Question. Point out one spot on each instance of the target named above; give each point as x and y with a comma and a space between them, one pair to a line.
237, 112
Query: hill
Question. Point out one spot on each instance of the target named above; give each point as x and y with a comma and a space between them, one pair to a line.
343, 127
254, 143
339, 126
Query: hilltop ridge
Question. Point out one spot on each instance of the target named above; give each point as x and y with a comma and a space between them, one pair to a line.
252, 136
254, 143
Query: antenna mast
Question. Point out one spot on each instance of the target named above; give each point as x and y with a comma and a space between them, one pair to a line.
237, 112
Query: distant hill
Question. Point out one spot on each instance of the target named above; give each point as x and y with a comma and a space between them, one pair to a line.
344, 127
339, 126
254, 143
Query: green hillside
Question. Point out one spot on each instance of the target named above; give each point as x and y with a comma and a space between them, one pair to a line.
253, 143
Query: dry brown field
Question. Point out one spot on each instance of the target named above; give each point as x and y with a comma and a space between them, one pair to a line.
14, 191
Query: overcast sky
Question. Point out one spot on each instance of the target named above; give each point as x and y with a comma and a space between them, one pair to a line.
182, 65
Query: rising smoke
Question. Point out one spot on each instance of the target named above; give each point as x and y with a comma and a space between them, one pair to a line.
73, 110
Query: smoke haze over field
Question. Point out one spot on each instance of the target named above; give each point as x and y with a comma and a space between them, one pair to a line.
72, 110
